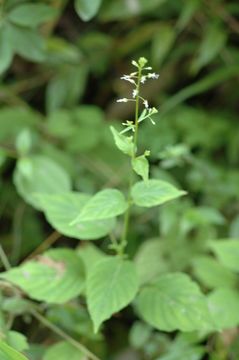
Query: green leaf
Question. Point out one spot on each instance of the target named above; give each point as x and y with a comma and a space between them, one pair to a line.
55, 277
31, 15
149, 260
90, 254
87, 9
212, 274
61, 209
198, 87
8, 353
42, 175
111, 285
189, 9
227, 252
162, 43
123, 143
17, 340
66, 87
14, 119
212, 43
89, 125
6, 51
173, 302
140, 334
223, 305
63, 351
24, 142
140, 165
121, 9
26, 42
183, 348
154, 192
106, 204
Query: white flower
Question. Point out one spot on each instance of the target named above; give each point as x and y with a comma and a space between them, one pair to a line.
128, 78
135, 93
143, 79
153, 76
123, 100
146, 104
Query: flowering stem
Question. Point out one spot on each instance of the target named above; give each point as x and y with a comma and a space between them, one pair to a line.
123, 242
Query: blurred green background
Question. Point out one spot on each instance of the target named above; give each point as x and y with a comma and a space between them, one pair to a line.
60, 66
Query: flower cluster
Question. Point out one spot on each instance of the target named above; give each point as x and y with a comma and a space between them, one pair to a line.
137, 78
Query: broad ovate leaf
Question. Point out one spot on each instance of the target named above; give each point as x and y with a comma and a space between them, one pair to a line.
106, 204
140, 165
63, 351
173, 302
39, 174
55, 277
154, 192
8, 353
223, 304
61, 209
227, 252
123, 143
111, 285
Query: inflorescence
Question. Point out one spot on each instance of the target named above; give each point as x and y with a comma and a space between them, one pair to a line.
137, 78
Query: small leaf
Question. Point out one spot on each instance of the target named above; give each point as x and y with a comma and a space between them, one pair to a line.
173, 302
39, 174
140, 165
106, 204
223, 305
227, 252
61, 209
123, 143
63, 351
31, 15
8, 353
87, 9
154, 192
55, 277
111, 285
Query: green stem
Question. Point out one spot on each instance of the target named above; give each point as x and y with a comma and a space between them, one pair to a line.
123, 242
62, 334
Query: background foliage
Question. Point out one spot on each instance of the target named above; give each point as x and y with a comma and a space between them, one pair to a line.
60, 63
